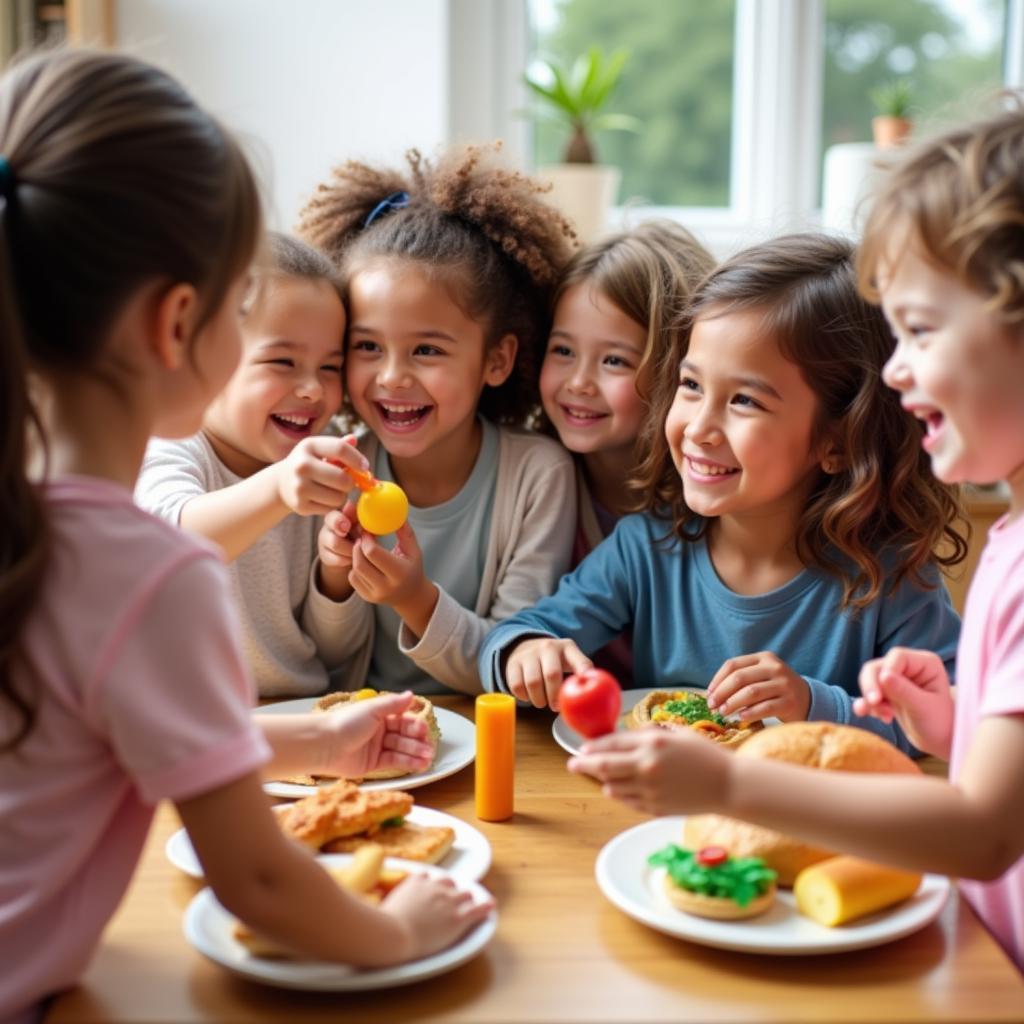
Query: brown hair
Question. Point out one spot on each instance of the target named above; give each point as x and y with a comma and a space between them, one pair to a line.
959, 195
884, 500
481, 229
284, 257
650, 273
113, 178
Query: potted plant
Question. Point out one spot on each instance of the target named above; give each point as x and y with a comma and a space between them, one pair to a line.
576, 99
892, 124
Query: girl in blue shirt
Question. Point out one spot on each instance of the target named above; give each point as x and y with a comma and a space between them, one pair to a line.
790, 520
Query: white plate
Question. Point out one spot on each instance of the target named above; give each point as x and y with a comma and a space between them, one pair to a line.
209, 927
455, 749
469, 857
635, 887
570, 740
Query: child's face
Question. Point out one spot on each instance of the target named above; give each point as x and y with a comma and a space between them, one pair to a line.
588, 378
288, 383
741, 423
416, 365
957, 368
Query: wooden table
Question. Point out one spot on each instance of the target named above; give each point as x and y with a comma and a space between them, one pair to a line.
562, 951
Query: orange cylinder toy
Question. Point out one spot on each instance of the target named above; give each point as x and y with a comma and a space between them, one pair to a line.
495, 756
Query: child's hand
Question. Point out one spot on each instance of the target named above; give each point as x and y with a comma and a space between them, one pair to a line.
659, 771
311, 479
536, 669
757, 686
337, 537
374, 733
912, 687
434, 912
395, 577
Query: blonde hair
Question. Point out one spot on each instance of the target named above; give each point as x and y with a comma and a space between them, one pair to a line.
960, 196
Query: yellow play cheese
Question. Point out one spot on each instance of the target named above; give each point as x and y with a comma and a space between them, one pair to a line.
842, 889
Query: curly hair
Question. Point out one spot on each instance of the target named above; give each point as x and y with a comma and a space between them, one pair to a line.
960, 195
884, 497
483, 230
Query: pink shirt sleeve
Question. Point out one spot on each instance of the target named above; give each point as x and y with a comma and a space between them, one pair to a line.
1004, 683
173, 694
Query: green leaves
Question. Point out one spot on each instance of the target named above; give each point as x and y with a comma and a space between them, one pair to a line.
577, 95
893, 98
741, 879
694, 708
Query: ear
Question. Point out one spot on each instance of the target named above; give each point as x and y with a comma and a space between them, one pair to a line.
173, 317
499, 361
832, 460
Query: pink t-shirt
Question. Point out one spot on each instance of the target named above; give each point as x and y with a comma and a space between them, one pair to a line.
990, 681
142, 696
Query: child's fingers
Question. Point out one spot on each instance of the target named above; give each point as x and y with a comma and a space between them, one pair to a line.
605, 767
340, 451
728, 668
738, 689
575, 659
882, 711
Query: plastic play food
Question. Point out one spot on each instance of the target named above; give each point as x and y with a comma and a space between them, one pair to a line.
382, 506
590, 702
842, 889
495, 756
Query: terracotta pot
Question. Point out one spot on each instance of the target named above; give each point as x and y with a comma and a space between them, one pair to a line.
890, 131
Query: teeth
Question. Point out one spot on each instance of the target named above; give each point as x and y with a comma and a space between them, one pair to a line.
297, 421
401, 408
580, 414
707, 470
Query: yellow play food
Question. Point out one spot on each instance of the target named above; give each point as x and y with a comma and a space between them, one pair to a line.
383, 508
842, 889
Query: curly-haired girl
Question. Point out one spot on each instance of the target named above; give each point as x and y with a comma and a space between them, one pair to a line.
792, 517
449, 268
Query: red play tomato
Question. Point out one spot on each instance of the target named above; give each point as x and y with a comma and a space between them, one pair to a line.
712, 856
590, 702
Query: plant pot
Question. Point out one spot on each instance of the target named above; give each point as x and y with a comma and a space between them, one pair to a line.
890, 131
584, 193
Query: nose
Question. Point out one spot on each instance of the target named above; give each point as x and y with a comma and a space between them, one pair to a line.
394, 373
896, 372
581, 382
703, 427
309, 386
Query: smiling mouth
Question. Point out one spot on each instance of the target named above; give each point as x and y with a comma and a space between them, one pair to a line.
293, 426
708, 469
582, 415
402, 415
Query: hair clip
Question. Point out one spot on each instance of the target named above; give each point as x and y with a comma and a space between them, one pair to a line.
6, 179
395, 201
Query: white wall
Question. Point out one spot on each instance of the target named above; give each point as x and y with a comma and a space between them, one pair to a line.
305, 83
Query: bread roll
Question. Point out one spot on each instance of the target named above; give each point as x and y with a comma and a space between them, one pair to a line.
816, 745
842, 889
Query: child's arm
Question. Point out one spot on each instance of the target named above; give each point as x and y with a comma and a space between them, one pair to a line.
277, 888
349, 742
304, 482
972, 828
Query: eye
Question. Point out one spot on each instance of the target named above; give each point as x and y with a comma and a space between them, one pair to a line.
617, 363
746, 402
281, 362
689, 384
558, 349
428, 350
330, 368
363, 345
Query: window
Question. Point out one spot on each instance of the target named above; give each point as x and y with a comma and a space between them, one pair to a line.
741, 98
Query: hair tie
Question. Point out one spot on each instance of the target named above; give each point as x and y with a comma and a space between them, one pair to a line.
395, 201
6, 179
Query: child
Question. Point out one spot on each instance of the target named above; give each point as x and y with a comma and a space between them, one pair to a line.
942, 248
259, 459
449, 270
128, 219
803, 516
612, 327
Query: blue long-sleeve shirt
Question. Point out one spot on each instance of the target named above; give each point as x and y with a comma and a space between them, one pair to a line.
686, 622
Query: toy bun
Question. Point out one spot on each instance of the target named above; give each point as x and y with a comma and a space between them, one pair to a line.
816, 745
716, 906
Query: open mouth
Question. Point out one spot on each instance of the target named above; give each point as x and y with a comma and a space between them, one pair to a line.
708, 470
293, 425
581, 417
402, 417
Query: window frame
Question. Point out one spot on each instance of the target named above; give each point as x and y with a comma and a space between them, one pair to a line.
777, 108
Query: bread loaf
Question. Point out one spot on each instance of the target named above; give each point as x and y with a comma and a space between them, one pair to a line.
842, 889
815, 745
